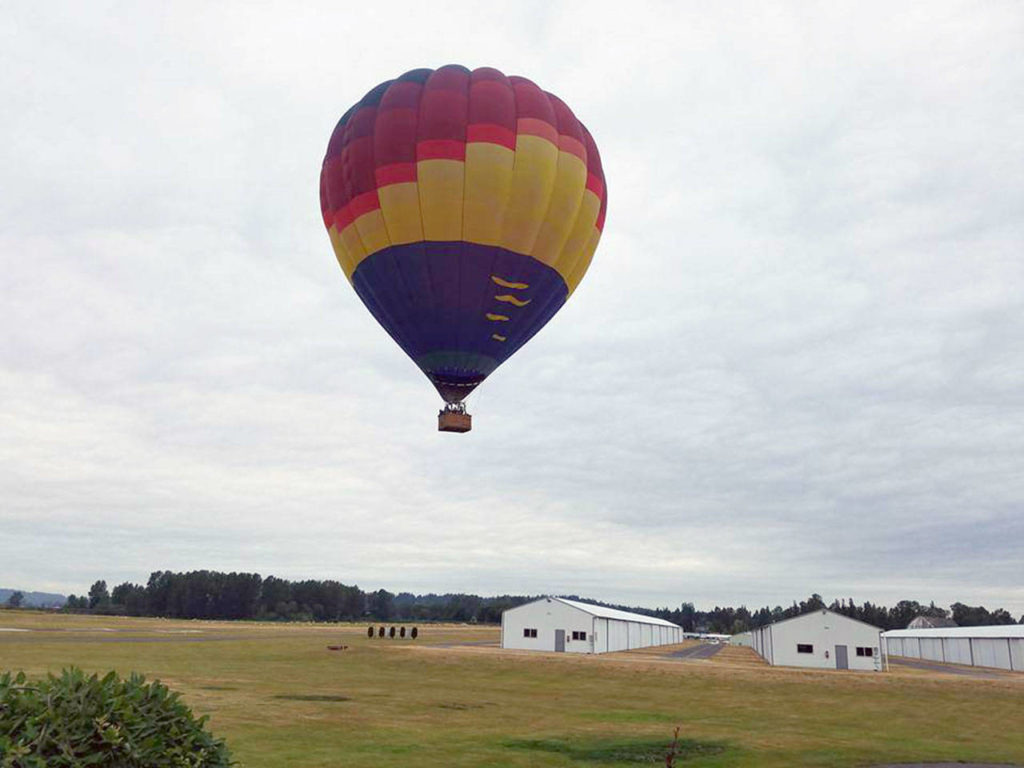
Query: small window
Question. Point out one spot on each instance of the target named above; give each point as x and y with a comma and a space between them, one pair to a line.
529, 633
579, 635
804, 648
865, 651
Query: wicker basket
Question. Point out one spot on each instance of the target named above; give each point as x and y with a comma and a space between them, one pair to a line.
453, 421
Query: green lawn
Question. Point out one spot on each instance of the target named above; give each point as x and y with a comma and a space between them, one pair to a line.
280, 698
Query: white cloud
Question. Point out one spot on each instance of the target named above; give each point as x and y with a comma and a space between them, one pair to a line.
796, 365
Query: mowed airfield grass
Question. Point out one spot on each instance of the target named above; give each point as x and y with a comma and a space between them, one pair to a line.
280, 698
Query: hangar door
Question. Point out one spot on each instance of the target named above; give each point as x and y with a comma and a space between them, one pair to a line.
842, 662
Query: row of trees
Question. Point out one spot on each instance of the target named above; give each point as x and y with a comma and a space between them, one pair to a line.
216, 595
732, 620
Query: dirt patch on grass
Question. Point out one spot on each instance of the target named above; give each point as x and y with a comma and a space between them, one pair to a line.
598, 751
311, 697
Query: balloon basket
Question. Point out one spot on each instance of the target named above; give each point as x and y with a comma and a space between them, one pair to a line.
453, 418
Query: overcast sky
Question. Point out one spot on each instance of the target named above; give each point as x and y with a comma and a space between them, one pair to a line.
796, 364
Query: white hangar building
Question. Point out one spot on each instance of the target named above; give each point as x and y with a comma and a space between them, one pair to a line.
743, 639
820, 639
557, 624
1001, 647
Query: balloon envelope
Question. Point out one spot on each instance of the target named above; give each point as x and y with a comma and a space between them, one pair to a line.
464, 207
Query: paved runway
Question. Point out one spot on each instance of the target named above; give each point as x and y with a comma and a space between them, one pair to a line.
949, 669
702, 651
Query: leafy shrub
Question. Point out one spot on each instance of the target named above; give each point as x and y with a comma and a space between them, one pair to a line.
77, 720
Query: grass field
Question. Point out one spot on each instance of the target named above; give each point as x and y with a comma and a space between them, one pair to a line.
280, 698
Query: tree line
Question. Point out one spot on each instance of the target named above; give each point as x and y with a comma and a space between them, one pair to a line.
730, 620
217, 595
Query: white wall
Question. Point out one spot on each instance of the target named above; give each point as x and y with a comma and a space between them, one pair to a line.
546, 616
627, 635
991, 652
997, 652
604, 635
823, 631
635, 638
956, 650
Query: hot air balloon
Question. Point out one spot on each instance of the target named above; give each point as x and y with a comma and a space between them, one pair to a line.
464, 207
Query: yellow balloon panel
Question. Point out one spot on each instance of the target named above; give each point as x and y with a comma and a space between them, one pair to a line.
400, 205
488, 180
583, 262
533, 179
579, 236
372, 231
354, 245
441, 185
341, 253
566, 198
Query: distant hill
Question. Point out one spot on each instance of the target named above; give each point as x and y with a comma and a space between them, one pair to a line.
35, 599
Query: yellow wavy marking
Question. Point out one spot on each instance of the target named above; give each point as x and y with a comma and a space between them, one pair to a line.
506, 284
496, 337
497, 318
510, 299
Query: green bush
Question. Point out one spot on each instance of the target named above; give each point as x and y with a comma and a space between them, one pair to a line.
78, 720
